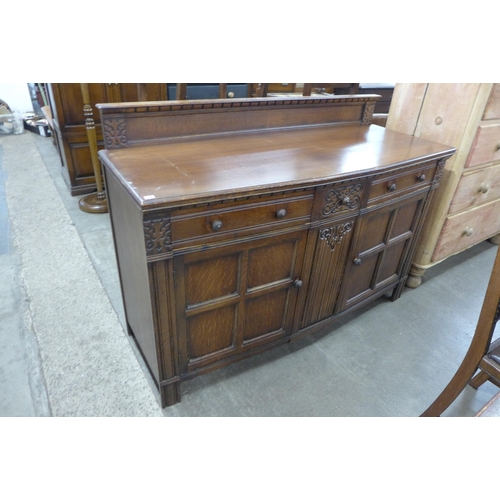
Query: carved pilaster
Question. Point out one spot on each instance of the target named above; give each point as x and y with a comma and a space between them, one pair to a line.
157, 237
334, 235
342, 198
439, 171
115, 133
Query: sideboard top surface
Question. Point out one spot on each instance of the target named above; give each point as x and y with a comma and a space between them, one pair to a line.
195, 170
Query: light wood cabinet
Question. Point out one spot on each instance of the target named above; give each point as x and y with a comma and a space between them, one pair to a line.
246, 223
466, 210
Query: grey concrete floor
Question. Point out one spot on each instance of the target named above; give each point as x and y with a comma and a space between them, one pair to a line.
388, 359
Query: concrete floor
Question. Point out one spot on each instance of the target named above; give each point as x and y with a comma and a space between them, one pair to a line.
388, 359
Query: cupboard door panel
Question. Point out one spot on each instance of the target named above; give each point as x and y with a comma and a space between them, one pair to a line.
390, 264
212, 278
211, 332
272, 263
237, 297
404, 219
361, 277
374, 235
383, 238
266, 314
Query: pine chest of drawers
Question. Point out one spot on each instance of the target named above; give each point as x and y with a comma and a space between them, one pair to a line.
466, 210
246, 223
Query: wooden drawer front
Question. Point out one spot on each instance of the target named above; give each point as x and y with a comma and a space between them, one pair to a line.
463, 230
240, 218
338, 199
477, 187
492, 110
486, 146
398, 183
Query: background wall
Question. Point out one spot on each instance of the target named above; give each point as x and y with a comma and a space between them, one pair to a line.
17, 96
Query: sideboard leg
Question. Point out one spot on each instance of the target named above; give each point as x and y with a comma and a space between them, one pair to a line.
170, 394
415, 277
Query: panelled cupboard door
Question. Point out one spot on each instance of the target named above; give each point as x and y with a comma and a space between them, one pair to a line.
381, 244
234, 298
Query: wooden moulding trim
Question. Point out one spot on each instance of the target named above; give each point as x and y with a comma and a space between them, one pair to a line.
214, 104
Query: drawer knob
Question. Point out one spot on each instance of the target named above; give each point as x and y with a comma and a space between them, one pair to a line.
216, 225
483, 188
280, 213
357, 261
391, 187
468, 231
297, 283
230, 94
421, 178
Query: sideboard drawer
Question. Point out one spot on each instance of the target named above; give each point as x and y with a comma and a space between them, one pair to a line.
465, 229
338, 199
477, 187
218, 219
486, 146
397, 183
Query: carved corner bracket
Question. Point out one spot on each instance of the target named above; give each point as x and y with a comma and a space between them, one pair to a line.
334, 235
157, 237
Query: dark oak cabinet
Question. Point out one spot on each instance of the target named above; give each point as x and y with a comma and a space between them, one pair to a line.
242, 224
66, 103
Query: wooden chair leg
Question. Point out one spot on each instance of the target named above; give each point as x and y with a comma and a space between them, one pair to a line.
479, 379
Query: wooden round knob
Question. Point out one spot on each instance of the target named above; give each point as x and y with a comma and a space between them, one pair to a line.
281, 213
357, 261
216, 225
421, 178
391, 187
483, 188
297, 283
468, 231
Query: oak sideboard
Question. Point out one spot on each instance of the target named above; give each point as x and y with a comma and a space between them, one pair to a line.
241, 224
